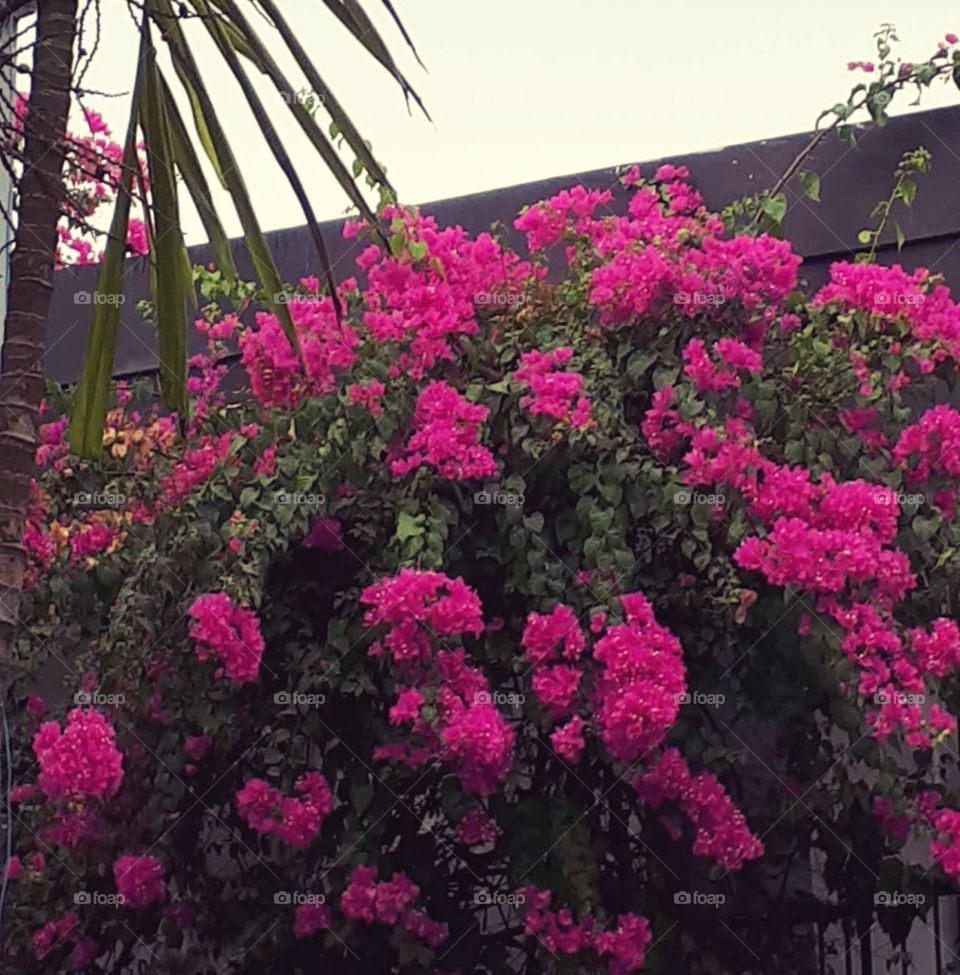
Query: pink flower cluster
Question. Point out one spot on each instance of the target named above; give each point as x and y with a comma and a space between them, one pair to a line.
931, 446
664, 430
889, 295
54, 933
327, 346
82, 761
734, 356
466, 730
446, 436
425, 306
477, 828
388, 902
624, 947
834, 540
721, 830
90, 539
310, 919
554, 393
547, 223
639, 686
140, 881
198, 465
296, 821
547, 640
229, 632
666, 252
417, 605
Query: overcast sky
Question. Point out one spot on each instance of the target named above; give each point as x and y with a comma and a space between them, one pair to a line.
525, 89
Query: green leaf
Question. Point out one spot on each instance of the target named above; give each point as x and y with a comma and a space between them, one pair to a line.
810, 182
408, 526
901, 237
215, 143
865, 236
534, 522
775, 207
90, 400
188, 165
168, 280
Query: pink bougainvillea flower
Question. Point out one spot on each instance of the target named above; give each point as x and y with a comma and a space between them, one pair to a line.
229, 632
139, 880
81, 761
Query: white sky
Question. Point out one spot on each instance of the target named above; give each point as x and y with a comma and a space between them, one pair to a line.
526, 89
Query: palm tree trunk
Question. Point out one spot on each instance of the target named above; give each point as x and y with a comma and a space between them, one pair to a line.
30, 289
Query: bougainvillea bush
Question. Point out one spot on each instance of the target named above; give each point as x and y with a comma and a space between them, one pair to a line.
552, 611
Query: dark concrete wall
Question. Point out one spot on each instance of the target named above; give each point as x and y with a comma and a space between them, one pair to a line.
853, 180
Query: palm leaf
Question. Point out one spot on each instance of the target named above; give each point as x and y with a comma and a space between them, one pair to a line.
189, 168
169, 283
206, 120
90, 400
222, 40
